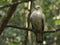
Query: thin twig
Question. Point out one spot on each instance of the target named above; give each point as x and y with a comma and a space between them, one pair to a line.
28, 22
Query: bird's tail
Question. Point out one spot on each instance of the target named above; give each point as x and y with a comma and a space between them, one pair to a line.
39, 38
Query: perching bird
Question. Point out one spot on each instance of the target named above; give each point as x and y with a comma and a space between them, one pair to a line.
37, 19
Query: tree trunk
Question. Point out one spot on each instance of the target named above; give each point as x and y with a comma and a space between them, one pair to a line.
7, 17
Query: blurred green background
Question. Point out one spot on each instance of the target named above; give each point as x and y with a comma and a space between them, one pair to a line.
13, 36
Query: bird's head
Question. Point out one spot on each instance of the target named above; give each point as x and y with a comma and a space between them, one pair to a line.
37, 7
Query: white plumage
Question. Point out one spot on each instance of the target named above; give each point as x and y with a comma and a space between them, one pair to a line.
37, 21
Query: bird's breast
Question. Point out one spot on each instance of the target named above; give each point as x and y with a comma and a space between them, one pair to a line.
37, 22
36, 19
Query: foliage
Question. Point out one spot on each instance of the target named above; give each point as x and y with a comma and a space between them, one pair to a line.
51, 9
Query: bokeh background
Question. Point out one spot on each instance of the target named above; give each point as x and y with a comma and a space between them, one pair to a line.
13, 36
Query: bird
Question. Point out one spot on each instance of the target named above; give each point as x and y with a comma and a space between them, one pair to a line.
37, 19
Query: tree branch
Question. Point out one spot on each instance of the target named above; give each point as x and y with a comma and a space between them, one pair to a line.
56, 30
7, 17
18, 27
9, 5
